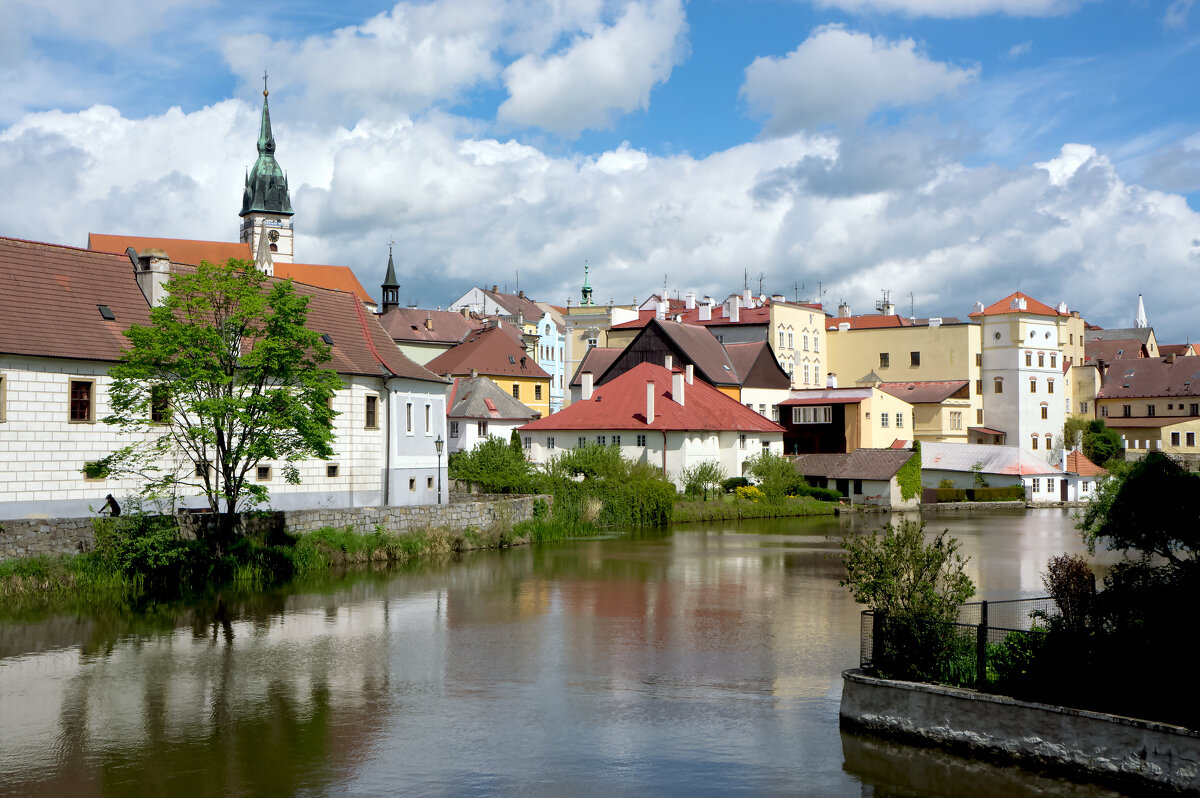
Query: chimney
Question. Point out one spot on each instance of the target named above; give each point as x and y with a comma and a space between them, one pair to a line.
748, 298
152, 268
586, 394
428, 322
668, 362
831, 380
1062, 308
936, 321
677, 387
661, 309
521, 294
844, 326
978, 308
689, 301
474, 373
1171, 358
1022, 304
844, 310
735, 310
465, 311
777, 297
706, 309
688, 371
495, 289
650, 403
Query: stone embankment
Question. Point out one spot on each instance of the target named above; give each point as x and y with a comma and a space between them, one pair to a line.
30, 537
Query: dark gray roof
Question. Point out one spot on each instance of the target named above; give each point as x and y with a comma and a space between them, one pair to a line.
876, 464
1125, 333
469, 399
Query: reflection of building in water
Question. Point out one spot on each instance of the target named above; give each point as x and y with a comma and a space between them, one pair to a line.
309, 675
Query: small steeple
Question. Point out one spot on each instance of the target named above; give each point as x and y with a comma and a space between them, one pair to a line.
587, 288
390, 287
1139, 321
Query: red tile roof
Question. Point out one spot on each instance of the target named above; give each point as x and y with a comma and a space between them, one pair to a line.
924, 392
621, 405
191, 252
1077, 463
867, 322
492, 352
1031, 306
445, 326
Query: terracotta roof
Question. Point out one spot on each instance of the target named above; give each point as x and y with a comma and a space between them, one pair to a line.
1031, 306
50, 311
596, 360
491, 351
50, 297
191, 252
1180, 350
1009, 460
1112, 349
828, 396
924, 392
621, 405
1077, 463
874, 464
479, 397
987, 431
867, 322
1152, 377
446, 326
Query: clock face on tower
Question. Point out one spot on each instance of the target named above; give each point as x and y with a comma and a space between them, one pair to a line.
273, 236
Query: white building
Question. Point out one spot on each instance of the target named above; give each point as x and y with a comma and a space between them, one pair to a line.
64, 313
661, 417
480, 409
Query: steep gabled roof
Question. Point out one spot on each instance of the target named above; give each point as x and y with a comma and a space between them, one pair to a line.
491, 351
873, 464
445, 326
1006, 305
1152, 377
515, 303
756, 366
479, 397
1180, 350
926, 392
621, 405
701, 347
596, 360
1078, 463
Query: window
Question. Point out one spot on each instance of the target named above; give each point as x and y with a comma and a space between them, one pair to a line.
528, 443
582, 441
641, 440
792, 341
428, 420
914, 358
978, 387
774, 412
956, 419
263, 472
781, 339
158, 404
408, 418
816, 414
1033, 385
979, 360
1126, 410
616, 440
884, 358
453, 429
978, 416
371, 413
1045, 412
412, 483
516, 390
331, 470
1190, 439
537, 392
82, 396
549, 441
1029, 358
1037, 483
1041, 360
998, 385
201, 470
429, 482
600, 440
1053, 360
1034, 446
481, 429
899, 420
1194, 410
1049, 386
1150, 411
816, 343
1083, 407
1083, 486
762, 409
741, 441
1104, 411
883, 419
1174, 438
806, 374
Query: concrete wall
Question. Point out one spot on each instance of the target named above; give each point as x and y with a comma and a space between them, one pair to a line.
30, 537
1090, 744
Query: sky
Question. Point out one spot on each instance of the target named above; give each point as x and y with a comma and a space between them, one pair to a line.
946, 151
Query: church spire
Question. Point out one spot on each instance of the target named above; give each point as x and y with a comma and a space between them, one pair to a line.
1140, 321
586, 293
266, 185
390, 288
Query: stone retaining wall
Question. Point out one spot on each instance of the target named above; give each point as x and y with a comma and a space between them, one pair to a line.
1110, 748
30, 537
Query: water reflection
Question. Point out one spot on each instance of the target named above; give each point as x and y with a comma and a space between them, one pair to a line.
703, 660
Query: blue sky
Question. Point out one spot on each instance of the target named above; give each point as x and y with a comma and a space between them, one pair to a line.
955, 150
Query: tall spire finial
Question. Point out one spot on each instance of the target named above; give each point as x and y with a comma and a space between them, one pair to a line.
586, 293
265, 92
1139, 320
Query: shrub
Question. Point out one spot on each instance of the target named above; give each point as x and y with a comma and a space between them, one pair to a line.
750, 493
494, 465
1072, 585
141, 545
951, 495
733, 483
1010, 493
946, 483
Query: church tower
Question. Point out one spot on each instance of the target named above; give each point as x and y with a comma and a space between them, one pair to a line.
266, 206
390, 288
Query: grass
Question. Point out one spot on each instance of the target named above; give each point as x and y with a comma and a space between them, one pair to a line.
728, 508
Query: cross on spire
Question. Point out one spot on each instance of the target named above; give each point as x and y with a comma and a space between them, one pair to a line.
265, 92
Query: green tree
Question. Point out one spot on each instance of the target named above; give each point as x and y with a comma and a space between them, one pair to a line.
494, 465
1151, 506
702, 477
226, 376
773, 472
1100, 444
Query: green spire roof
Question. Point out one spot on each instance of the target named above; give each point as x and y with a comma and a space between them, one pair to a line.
266, 185
587, 287
389, 279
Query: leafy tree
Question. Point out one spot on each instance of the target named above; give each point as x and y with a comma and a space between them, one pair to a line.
1100, 444
514, 443
704, 476
494, 465
1151, 506
226, 376
773, 472
892, 569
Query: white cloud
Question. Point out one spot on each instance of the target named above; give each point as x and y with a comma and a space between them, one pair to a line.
841, 76
468, 209
1018, 50
1177, 13
957, 8
608, 71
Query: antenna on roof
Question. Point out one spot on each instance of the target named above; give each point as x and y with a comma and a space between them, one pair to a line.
912, 306
760, 279
745, 279
796, 291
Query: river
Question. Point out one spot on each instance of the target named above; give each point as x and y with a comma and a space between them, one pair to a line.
700, 660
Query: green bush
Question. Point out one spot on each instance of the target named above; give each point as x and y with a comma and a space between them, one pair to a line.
141, 545
733, 483
951, 495
1006, 494
494, 465
946, 483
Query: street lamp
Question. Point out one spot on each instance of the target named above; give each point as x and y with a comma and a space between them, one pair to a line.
438, 445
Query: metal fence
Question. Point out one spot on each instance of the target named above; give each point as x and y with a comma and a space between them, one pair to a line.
990, 642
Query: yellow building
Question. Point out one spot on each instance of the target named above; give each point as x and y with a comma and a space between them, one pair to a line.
941, 409
831, 420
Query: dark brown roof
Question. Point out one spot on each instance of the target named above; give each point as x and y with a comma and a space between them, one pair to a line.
876, 464
445, 326
48, 303
927, 392
1123, 333
1152, 377
699, 346
596, 360
756, 366
491, 351
1181, 350
515, 303
1112, 349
